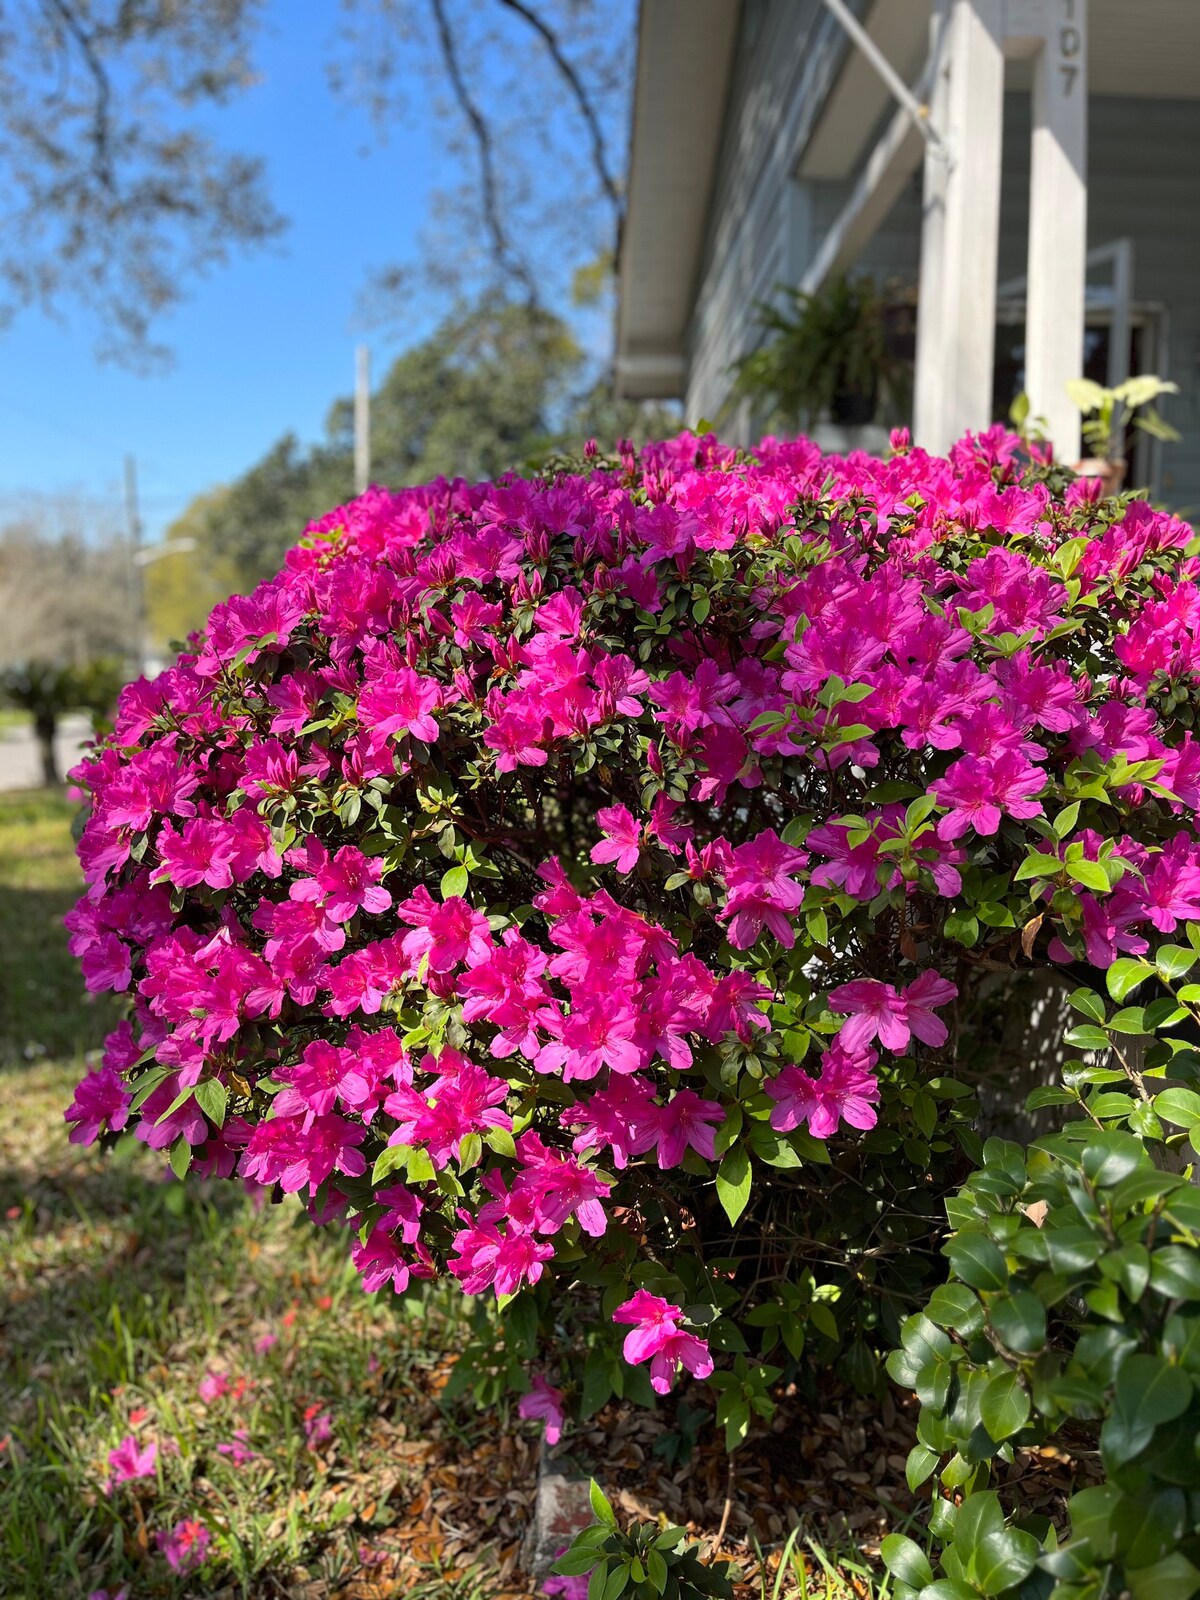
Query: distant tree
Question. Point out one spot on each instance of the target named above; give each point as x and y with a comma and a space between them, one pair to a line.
48, 692
112, 191
182, 587
66, 608
533, 97
66, 595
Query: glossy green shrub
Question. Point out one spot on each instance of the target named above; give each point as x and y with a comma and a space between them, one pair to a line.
644, 1561
1074, 1297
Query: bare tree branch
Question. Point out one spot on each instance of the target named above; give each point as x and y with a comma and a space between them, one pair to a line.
64, 14
581, 97
483, 141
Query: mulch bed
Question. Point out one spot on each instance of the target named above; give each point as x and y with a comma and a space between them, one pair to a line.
836, 1467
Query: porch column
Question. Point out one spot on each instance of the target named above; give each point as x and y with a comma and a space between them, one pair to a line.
1057, 269
960, 234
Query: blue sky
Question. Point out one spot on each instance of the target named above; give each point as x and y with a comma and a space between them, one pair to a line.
263, 345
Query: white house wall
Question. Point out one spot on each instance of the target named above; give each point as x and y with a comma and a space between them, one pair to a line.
765, 224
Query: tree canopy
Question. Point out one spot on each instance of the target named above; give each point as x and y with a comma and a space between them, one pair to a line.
495, 386
112, 190
116, 191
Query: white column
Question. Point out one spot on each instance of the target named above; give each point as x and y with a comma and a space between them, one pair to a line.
956, 323
1058, 224
929, 369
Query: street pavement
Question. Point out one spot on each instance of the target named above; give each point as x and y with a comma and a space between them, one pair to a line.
20, 762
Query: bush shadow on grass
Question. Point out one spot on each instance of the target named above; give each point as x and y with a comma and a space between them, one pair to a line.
101, 1254
44, 1010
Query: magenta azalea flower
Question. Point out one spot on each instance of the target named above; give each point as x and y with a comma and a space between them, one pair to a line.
657, 1337
845, 1091
401, 702
880, 1011
622, 838
652, 1319
101, 1100
186, 1546
544, 1403
126, 1462
678, 1349
686, 1122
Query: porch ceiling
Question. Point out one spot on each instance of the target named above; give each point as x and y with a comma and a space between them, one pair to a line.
685, 54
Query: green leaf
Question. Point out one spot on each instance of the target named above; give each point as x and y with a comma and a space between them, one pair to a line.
181, 1157
979, 1516
949, 1589
454, 882
962, 927
601, 1510
1004, 1406
1174, 961
420, 1167
1130, 1019
597, 1383
500, 1142
1179, 1107
1040, 866
1175, 1271
1110, 1156
598, 1582
575, 1562
905, 1559
470, 1151
1090, 875
1088, 1002
921, 1462
1150, 1390
1124, 976
1048, 1096
656, 1568
977, 1260
1004, 1559
1020, 1322
733, 1181
1172, 1578
389, 1159
213, 1097
1087, 1036
952, 1305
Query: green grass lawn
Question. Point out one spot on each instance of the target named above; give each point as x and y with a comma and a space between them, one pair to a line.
324, 1462
120, 1291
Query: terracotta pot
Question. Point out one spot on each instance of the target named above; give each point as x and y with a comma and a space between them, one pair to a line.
1111, 473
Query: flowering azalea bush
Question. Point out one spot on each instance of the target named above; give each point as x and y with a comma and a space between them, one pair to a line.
582, 887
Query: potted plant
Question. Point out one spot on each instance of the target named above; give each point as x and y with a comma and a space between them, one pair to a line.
826, 354
1107, 417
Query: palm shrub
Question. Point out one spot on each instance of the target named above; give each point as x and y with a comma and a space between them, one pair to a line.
583, 887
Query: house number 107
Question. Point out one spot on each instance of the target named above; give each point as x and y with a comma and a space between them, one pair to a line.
1070, 43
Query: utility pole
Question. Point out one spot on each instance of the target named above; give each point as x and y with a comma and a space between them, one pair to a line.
133, 517
362, 418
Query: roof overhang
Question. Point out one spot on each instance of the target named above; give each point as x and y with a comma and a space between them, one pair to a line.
685, 57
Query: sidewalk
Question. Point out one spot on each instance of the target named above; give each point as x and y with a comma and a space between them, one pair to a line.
20, 762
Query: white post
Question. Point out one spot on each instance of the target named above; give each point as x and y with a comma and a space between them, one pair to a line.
1119, 332
362, 419
929, 375
1057, 271
960, 238
133, 517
